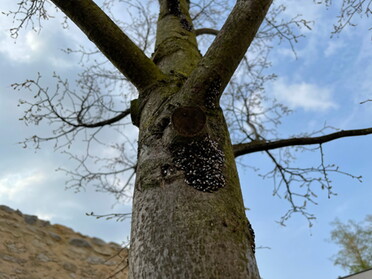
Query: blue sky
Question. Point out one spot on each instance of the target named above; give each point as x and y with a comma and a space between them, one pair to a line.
325, 84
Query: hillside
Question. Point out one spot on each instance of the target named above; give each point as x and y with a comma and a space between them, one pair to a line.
31, 248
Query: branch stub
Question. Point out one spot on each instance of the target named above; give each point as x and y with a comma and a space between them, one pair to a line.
188, 121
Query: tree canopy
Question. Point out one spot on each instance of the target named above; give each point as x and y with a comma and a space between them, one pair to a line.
105, 90
355, 242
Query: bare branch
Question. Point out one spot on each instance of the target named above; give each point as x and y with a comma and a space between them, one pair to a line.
112, 175
209, 12
206, 31
366, 101
274, 27
75, 119
96, 124
70, 113
118, 216
25, 13
110, 39
299, 183
256, 146
348, 11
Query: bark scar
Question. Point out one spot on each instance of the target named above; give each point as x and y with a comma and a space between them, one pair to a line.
188, 121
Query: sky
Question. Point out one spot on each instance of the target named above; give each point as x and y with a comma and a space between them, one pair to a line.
324, 84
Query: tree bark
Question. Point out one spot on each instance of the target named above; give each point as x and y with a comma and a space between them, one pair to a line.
179, 230
188, 218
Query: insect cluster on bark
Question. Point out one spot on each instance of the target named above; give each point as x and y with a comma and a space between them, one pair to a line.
213, 92
202, 162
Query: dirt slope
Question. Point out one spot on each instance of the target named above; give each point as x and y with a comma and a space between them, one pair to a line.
34, 249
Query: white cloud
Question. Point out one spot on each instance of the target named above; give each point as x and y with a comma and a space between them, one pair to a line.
364, 78
45, 46
15, 50
333, 46
44, 216
27, 48
33, 42
303, 95
15, 185
307, 9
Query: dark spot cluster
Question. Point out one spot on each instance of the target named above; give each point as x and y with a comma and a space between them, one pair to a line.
202, 162
174, 7
163, 123
251, 231
213, 92
166, 170
186, 24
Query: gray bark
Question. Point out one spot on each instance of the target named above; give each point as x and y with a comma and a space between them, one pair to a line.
177, 230
188, 217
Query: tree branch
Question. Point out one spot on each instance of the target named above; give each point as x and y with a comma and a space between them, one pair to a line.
365, 101
206, 31
111, 40
228, 49
92, 125
256, 146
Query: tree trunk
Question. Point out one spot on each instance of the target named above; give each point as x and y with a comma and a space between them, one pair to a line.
188, 217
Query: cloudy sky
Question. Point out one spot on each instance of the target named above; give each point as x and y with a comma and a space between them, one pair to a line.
325, 84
